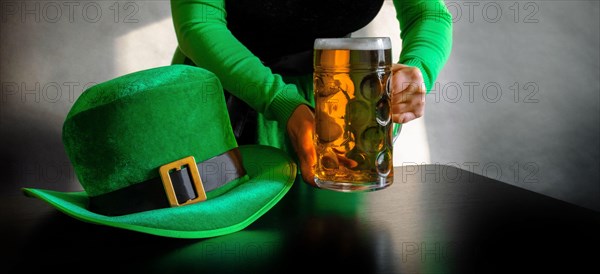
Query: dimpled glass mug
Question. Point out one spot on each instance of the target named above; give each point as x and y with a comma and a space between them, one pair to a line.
354, 132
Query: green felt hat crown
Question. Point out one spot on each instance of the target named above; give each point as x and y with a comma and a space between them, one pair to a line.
140, 142
120, 132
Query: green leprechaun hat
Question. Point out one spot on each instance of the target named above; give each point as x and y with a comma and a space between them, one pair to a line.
154, 152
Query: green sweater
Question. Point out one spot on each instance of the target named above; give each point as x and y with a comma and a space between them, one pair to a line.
203, 36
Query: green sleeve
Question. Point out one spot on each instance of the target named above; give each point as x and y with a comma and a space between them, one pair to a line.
426, 32
203, 36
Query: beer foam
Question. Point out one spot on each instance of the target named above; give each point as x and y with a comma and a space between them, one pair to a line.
359, 43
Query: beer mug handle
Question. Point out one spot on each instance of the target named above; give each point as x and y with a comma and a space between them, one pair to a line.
396, 132
396, 127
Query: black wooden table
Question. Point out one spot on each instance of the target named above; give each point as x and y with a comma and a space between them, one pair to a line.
446, 221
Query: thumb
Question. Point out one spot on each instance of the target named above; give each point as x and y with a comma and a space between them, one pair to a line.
301, 131
307, 162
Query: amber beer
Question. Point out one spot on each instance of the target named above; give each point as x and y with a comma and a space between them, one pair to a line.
353, 134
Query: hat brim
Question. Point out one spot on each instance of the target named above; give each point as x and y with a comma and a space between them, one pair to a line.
271, 174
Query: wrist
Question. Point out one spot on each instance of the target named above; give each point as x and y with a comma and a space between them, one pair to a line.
301, 119
285, 103
414, 62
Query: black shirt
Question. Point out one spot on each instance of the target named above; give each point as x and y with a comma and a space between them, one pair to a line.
275, 28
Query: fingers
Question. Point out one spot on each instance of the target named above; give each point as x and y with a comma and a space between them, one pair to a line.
408, 104
347, 162
404, 118
408, 93
412, 92
396, 67
300, 131
308, 159
405, 78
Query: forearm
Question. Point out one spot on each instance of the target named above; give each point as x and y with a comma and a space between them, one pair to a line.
202, 34
426, 32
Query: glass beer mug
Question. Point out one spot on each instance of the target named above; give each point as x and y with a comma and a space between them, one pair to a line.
354, 132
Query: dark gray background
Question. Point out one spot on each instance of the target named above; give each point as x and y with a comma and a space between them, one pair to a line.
517, 101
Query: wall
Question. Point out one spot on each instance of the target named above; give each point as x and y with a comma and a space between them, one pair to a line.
518, 100
542, 131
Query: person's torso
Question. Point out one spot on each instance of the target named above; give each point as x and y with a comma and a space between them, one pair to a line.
275, 28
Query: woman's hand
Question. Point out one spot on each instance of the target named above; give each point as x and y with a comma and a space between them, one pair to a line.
408, 93
300, 129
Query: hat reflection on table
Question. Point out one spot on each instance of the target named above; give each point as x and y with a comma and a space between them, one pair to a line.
155, 153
